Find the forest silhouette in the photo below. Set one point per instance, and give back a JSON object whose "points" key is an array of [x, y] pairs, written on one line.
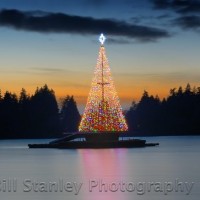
{"points": [[39, 116], [178, 114]]}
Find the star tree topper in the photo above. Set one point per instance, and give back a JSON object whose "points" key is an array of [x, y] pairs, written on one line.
{"points": [[102, 39]]}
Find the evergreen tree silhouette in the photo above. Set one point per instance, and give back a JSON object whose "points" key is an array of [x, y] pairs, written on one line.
{"points": [[9, 115], [24, 114], [70, 117], [44, 113]]}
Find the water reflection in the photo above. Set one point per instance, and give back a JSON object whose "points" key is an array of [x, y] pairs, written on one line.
{"points": [[102, 172]]}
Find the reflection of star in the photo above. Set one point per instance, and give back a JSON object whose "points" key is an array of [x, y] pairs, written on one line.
{"points": [[102, 38]]}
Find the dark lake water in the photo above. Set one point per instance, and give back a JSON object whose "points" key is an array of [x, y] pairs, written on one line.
{"points": [[170, 171]]}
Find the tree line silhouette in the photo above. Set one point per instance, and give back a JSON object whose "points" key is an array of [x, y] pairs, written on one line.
{"points": [[178, 114], [39, 116]]}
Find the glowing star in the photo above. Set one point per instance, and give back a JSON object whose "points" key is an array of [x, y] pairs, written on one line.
{"points": [[102, 39]]}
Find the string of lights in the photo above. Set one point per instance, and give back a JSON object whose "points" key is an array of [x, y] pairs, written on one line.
{"points": [[103, 111]]}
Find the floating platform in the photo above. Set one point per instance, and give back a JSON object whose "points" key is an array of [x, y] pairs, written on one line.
{"points": [[94, 141]]}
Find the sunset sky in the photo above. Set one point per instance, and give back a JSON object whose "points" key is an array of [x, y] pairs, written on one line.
{"points": [[151, 45]]}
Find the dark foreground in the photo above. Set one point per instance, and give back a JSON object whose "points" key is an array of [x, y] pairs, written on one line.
{"points": [[94, 141]]}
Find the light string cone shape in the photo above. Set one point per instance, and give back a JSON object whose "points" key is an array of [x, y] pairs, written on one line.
{"points": [[103, 111]]}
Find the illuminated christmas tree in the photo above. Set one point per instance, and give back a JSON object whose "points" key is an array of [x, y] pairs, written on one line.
{"points": [[103, 111]]}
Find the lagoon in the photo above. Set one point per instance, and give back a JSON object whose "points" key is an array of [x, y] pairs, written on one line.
{"points": [[169, 171]]}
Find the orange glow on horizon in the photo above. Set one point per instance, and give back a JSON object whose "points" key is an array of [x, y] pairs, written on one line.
{"points": [[125, 94], [129, 89]]}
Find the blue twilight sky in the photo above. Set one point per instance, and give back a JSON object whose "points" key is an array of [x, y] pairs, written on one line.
{"points": [[151, 45]]}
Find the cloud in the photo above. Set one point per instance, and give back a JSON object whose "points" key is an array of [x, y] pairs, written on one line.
{"points": [[64, 23], [177, 76], [95, 2], [118, 41], [164, 16], [180, 6], [161, 4], [188, 12], [48, 69], [191, 7], [188, 22]]}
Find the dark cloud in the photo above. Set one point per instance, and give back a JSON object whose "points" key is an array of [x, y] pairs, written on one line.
{"points": [[180, 6], [64, 23], [191, 6], [136, 20], [117, 41], [188, 22], [161, 4], [164, 16], [96, 2], [188, 10]]}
